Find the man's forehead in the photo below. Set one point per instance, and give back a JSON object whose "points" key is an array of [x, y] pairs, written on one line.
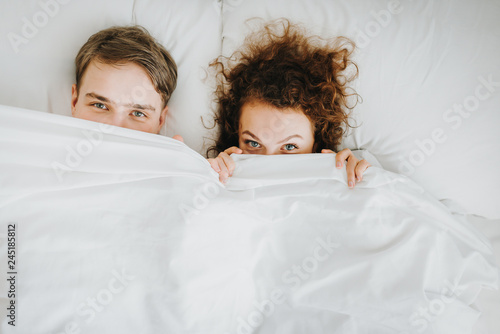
{"points": [[123, 84]]}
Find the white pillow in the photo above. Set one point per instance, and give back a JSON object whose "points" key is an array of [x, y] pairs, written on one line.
{"points": [[417, 60]]}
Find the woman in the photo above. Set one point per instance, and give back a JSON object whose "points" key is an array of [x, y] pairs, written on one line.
{"points": [[284, 92]]}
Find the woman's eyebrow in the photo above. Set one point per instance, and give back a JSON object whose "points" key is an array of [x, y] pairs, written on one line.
{"points": [[290, 137], [250, 134]]}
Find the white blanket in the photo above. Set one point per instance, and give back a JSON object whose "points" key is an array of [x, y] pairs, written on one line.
{"points": [[119, 231]]}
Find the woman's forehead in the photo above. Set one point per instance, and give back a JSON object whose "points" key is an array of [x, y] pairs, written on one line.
{"points": [[259, 117]]}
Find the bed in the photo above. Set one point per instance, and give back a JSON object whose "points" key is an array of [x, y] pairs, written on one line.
{"points": [[128, 232]]}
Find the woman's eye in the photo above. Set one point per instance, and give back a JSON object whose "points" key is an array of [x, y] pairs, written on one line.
{"points": [[289, 147], [253, 143], [99, 105], [139, 114]]}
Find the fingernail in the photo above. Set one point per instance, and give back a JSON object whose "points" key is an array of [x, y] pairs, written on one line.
{"points": [[339, 164], [351, 184]]}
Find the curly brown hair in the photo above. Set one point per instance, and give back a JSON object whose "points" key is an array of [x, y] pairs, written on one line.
{"points": [[282, 66]]}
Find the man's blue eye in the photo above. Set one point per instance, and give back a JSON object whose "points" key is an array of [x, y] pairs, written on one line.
{"points": [[289, 147], [139, 114], [99, 105]]}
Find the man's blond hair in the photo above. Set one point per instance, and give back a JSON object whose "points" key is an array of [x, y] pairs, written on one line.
{"points": [[119, 45]]}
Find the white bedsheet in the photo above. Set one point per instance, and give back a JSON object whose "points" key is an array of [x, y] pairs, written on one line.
{"points": [[119, 231], [488, 301]]}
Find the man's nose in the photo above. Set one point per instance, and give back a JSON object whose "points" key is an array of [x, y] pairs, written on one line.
{"points": [[117, 119]]}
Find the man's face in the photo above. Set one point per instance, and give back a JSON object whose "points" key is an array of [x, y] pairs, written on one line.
{"points": [[121, 95]]}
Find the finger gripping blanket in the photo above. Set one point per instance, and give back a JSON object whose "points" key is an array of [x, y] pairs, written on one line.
{"points": [[119, 231]]}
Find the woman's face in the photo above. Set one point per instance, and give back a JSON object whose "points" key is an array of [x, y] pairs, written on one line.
{"points": [[265, 129]]}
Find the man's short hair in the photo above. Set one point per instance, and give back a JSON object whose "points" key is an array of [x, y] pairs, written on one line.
{"points": [[118, 45]]}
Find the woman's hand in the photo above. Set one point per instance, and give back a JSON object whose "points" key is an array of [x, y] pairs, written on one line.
{"points": [[224, 164], [354, 167], [179, 138]]}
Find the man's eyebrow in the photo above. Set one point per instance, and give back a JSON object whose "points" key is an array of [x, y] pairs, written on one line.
{"points": [[251, 135], [290, 137], [98, 97], [129, 105], [140, 106]]}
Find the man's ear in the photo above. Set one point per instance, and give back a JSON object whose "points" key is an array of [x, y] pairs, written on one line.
{"points": [[163, 116], [74, 99]]}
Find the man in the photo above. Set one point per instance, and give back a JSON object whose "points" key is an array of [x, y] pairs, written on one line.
{"points": [[124, 78]]}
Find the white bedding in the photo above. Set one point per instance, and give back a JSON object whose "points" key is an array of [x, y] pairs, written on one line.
{"points": [[429, 73], [136, 235], [488, 301]]}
